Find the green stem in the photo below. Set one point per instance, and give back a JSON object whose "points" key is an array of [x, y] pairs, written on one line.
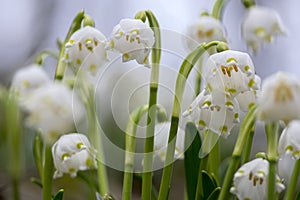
{"points": [[134, 119], [184, 72], [217, 9], [154, 79], [41, 57], [247, 151], [47, 173], [246, 125], [214, 161], [290, 193], [272, 131], [61, 65], [198, 77], [203, 166], [38, 152]]}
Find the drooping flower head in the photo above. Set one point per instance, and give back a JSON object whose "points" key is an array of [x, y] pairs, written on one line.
{"points": [[260, 26], [250, 181], [289, 142], [134, 39], [205, 29], [50, 110], [71, 153], [86, 46], [28, 79], [229, 72], [280, 98]]}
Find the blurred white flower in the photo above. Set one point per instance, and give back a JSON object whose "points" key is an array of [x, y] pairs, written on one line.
{"points": [[28, 79], [205, 29], [280, 97], [51, 109], [289, 141], [161, 141], [260, 26], [71, 153], [250, 181], [229, 72], [134, 39], [285, 168], [86, 49]]}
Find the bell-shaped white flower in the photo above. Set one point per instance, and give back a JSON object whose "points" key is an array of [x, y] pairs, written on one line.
{"points": [[161, 141], [260, 26], [28, 79], [71, 153], [86, 48], [205, 29], [280, 97], [250, 181], [134, 39], [289, 141], [230, 72], [50, 110]]}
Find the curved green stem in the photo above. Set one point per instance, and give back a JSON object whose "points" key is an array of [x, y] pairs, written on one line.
{"points": [[47, 173], [217, 9], [184, 72], [290, 193], [272, 131], [41, 57], [246, 125], [247, 151], [154, 79], [61, 65]]}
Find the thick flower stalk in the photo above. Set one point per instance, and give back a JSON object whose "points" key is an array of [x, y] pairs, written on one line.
{"points": [[250, 180], [86, 48], [72, 153], [260, 26], [134, 39], [280, 98]]}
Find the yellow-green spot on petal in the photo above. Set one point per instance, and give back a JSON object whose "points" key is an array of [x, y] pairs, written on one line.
{"points": [[223, 129], [250, 105], [72, 170], [67, 56], [79, 145], [25, 83], [89, 162], [260, 31], [241, 171], [289, 148], [231, 59], [268, 38], [135, 30], [53, 135], [93, 67], [145, 61], [125, 56], [202, 123], [231, 90], [251, 83], [296, 153], [261, 173], [112, 44], [229, 103], [71, 41], [65, 156], [88, 40], [246, 68], [236, 115], [78, 62], [206, 103], [209, 33], [209, 87], [121, 33]]}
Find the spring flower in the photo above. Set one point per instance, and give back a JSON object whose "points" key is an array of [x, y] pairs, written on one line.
{"points": [[289, 142], [286, 165], [86, 48], [134, 39], [229, 72], [260, 26], [161, 141], [217, 118], [205, 29], [71, 153], [280, 97], [28, 79], [50, 110], [250, 181]]}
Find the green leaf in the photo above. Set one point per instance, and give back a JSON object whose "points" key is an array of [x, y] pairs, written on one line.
{"points": [[298, 196], [59, 195], [191, 160], [209, 184], [36, 181], [215, 194]]}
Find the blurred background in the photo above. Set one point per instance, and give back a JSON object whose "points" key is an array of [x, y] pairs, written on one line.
{"points": [[30, 26]]}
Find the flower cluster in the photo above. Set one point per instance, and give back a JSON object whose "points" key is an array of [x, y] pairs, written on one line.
{"points": [[230, 81]]}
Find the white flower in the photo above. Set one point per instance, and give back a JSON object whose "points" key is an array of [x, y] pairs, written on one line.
{"points": [[161, 141], [280, 97], [71, 153], [86, 48], [260, 25], [219, 118], [28, 79], [229, 72], [134, 39], [289, 141], [286, 165], [250, 181], [205, 29], [50, 110]]}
